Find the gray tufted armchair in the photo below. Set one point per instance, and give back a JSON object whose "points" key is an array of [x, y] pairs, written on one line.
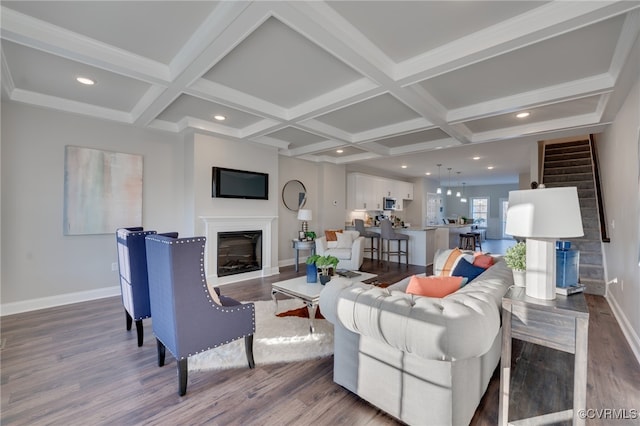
{"points": [[188, 316]]}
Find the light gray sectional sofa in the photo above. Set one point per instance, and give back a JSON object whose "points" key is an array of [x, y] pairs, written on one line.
{"points": [[425, 361]]}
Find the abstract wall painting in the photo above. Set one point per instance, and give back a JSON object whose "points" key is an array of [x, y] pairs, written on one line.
{"points": [[102, 191]]}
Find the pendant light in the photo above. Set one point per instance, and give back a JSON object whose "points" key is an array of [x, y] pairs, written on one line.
{"points": [[463, 199], [439, 190], [458, 191], [449, 187]]}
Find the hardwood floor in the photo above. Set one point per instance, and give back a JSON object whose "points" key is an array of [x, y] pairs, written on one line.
{"points": [[76, 364]]}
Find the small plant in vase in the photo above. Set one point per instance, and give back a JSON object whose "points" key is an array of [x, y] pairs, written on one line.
{"points": [[326, 265], [312, 269], [516, 259]]}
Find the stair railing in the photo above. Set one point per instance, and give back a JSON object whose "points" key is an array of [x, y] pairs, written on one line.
{"points": [[604, 235]]}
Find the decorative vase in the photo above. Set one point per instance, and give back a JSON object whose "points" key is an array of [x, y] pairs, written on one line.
{"points": [[312, 273], [325, 279], [519, 277]]}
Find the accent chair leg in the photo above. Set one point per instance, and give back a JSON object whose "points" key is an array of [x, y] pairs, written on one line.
{"points": [[182, 376], [129, 320], [139, 332], [161, 352], [248, 348]]}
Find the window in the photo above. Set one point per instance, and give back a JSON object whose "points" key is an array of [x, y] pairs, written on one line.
{"points": [[480, 210]]}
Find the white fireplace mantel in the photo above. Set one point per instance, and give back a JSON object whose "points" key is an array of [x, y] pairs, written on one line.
{"points": [[216, 224]]}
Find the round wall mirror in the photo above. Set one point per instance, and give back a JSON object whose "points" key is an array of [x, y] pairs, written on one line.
{"points": [[294, 195]]}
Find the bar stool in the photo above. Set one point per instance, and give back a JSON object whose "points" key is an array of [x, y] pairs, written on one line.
{"points": [[375, 236], [478, 241], [468, 241], [387, 233]]}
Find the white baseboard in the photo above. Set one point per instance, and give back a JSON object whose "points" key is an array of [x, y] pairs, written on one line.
{"points": [[59, 300], [627, 330]]}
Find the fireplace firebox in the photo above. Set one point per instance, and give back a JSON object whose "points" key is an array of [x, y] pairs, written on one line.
{"points": [[239, 252]]}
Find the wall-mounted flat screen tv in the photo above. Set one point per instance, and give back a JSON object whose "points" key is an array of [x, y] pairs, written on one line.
{"points": [[230, 183]]}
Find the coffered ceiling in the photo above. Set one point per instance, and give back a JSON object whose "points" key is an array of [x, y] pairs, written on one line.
{"points": [[390, 83]]}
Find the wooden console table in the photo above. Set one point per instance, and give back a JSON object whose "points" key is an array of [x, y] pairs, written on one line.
{"points": [[561, 324]]}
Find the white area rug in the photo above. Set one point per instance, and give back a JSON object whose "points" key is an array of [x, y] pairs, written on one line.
{"points": [[277, 339]]}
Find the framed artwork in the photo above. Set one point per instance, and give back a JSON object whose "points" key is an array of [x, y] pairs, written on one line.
{"points": [[102, 191]]}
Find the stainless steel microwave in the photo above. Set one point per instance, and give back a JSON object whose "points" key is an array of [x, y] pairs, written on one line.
{"points": [[388, 203]]}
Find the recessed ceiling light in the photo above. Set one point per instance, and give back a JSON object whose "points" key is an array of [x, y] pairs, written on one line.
{"points": [[85, 80], [428, 173], [490, 167], [219, 117], [339, 151], [523, 114], [476, 158], [404, 166]]}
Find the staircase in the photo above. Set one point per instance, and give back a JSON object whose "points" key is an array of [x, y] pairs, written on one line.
{"points": [[572, 164]]}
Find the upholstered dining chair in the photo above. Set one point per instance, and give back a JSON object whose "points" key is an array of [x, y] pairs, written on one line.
{"points": [[374, 236], [132, 265], [188, 316]]}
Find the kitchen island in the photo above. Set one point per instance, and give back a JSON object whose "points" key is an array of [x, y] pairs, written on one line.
{"points": [[421, 244], [448, 236]]}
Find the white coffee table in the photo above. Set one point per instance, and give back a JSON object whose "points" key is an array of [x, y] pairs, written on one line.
{"points": [[309, 293]]}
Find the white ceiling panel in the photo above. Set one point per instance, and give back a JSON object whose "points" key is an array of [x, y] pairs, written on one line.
{"points": [[576, 55], [295, 137], [43, 73], [544, 114], [189, 106], [156, 30], [390, 83], [278, 65], [373, 113], [404, 29], [413, 138]]}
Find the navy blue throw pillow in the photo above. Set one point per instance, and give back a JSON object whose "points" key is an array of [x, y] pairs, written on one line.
{"points": [[467, 270]]}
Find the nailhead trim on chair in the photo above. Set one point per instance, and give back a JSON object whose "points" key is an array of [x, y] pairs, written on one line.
{"points": [[206, 290]]}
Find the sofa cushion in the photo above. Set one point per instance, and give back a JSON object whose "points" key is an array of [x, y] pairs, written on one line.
{"points": [[331, 234], [434, 286], [345, 240], [340, 253], [467, 270]]}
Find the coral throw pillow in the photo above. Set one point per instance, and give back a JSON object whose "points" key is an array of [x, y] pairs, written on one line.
{"points": [[482, 260], [331, 234], [433, 286]]}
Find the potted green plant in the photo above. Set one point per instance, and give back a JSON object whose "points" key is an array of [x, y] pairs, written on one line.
{"points": [[312, 268], [516, 259], [327, 265]]}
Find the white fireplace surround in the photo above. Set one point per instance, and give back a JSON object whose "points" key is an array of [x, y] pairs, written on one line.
{"points": [[216, 224]]}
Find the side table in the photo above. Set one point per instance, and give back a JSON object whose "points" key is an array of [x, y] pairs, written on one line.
{"points": [[562, 324], [303, 245]]}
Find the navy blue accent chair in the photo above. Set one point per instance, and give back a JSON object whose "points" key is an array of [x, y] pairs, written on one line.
{"points": [[134, 286], [187, 317]]}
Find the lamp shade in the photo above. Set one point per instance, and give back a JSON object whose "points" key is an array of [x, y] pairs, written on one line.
{"points": [[304, 214], [544, 213]]}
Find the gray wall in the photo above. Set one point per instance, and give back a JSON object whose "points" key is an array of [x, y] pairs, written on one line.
{"points": [[454, 208], [38, 261]]}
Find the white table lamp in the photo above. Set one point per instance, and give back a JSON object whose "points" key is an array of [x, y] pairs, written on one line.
{"points": [[543, 216], [304, 215]]}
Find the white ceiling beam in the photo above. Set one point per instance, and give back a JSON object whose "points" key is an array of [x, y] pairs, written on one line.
{"points": [[68, 105]]}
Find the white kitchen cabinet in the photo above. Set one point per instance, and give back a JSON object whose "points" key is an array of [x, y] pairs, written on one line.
{"points": [[366, 192]]}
